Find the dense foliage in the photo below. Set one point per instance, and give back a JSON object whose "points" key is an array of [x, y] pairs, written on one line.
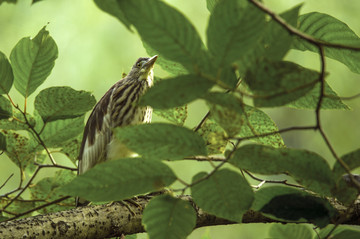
{"points": [[242, 60]]}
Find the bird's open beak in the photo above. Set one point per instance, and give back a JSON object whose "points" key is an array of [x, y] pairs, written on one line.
{"points": [[150, 63]]}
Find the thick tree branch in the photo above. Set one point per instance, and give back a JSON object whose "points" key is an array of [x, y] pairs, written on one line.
{"points": [[115, 219]]}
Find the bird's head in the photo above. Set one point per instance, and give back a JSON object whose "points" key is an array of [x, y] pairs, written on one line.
{"points": [[143, 69]]}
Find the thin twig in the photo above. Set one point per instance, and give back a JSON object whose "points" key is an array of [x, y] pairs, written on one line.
{"points": [[6, 180], [322, 85], [272, 181]]}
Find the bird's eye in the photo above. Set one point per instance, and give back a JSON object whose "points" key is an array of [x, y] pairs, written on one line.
{"points": [[140, 64]]}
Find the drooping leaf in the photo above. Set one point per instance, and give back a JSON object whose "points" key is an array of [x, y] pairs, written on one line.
{"points": [[329, 29], [111, 7], [5, 108], [307, 168], [47, 189], [293, 231], [121, 179], [225, 194], [310, 100], [172, 67], [175, 115], [18, 149], [56, 133], [276, 83], [166, 217], [277, 40], [167, 31], [173, 92], [32, 61], [234, 29], [257, 122], [62, 103], [351, 160], [226, 110], [161, 141], [293, 205], [214, 136], [6, 74]]}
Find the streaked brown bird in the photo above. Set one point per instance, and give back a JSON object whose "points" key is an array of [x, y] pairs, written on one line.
{"points": [[118, 107]]}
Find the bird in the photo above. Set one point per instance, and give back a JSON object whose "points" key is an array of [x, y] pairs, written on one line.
{"points": [[117, 108]]}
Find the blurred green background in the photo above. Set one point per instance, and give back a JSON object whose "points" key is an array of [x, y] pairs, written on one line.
{"points": [[95, 49]]}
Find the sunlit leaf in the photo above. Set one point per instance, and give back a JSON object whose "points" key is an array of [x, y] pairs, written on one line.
{"points": [[293, 231]]}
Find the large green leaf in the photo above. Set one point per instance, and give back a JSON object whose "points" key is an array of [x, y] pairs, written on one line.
{"points": [[277, 40], [174, 68], [5, 108], [71, 148], [293, 205], [167, 31], [6, 74], [307, 168], [276, 83], [173, 92], [63, 102], [225, 194], [351, 160], [210, 4], [310, 100], [175, 115], [293, 231], [257, 122], [166, 217], [56, 133], [329, 29], [235, 27], [121, 179], [340, 232], [48, 189], [32, 61], [111, 7], [161, 141], [17, 122]]}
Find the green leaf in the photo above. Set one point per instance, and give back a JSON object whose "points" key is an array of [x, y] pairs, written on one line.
{"points": [[172, 67], [293, 205], [32, 61], [5, 108], [225, 194], [17, 122], [214, 137], [234, 29], [2, 142], [62, 103], [71, 148], [161, 141], [111, 7], [175, 115], [6, 74], [307, 168], [168, 218], [226, 110], [279, 82], [257, 122], [351, 160], [121, 179], [56, 133], [236, 118], [310, 100], [340, 232], [18, 149], [18, 206], [167, 31], [293, 231], [48, 189], [176, 91], [329, 29], [277, 40], [210, 4]]}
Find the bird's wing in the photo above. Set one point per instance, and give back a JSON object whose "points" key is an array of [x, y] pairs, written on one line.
{"points": [[97, 134]]}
